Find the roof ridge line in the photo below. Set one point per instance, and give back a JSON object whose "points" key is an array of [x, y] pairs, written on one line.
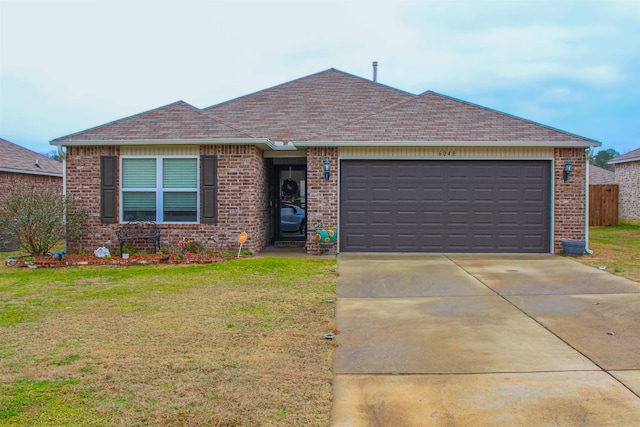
{"points": [[266, 89], [211, 116], [302, 78], [226, 124]]}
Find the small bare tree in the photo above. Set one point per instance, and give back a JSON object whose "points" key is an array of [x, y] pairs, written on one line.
{"points": [[39, 218]]}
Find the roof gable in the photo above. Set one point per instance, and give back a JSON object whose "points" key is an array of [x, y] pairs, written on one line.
{"points": [[14, 158], [171, 122], [307, 106], [432, 117]]}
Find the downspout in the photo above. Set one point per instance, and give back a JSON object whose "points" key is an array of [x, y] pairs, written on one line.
{"points": [[587, 158], [63, 156], [61, 153]]}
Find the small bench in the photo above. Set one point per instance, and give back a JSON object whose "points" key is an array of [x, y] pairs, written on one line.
{"points": [[139, 230]]}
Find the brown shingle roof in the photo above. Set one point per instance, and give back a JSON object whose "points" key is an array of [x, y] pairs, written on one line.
{"points": [[15, 158], [434, 117], [631, 156], [307, 106], [330, 106], [600, 176], [174, 121]]}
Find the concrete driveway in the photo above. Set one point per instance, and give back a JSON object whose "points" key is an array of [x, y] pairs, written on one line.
{"points": [[484, 340]]}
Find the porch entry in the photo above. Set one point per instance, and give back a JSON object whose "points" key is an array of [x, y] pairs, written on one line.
{"points": [[291, 202]]}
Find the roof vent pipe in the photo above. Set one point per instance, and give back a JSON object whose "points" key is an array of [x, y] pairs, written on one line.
{"points": [[375, 71]]}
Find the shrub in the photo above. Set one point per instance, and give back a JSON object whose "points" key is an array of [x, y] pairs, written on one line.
{"points": [[196, 247], [39, 219], [127, 248]]}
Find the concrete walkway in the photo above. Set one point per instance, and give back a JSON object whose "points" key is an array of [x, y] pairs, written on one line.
{"points": [[484, 340]]}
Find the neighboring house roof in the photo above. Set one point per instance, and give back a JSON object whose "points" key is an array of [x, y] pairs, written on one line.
{"points": [[631, 156], [431, 117], [17, 159], [329, 107], [599, 176], [176, 121]]}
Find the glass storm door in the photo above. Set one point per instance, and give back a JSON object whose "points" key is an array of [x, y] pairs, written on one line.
{"points": [[291, 212]]}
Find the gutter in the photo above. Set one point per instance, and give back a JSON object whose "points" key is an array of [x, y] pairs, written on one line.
{"points": [[263, 143], [512, 144], [630, 159], [25, 172]]}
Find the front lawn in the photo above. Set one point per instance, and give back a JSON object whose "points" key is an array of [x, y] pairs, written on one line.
{"points": [[234, 343], [617, 249]]}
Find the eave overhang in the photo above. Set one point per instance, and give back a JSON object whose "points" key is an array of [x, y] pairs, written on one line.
{"points": [[630, 159], [563, 144], [264, 144], [58, 175]]}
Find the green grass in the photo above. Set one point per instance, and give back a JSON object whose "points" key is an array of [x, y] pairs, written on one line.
{"points": [[234, 343], [615, 248], [44, 403]]}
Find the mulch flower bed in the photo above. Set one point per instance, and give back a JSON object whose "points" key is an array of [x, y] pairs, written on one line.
{"points": [[47, 261]]}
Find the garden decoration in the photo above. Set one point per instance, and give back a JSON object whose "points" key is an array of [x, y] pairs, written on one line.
{"points": [[102, 252], [242, 238], [326, 235], [185, 245]]}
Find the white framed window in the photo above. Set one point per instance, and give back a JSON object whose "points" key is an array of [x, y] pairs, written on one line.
{"points": [[160, 189]]}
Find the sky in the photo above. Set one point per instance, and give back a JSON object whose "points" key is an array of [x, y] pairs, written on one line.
{"points": [[66, 66]]}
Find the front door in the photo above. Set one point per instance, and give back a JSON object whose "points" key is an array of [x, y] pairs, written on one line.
{"points": [[291, 203]]}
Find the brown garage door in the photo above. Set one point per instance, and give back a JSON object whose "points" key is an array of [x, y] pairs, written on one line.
{"points": [[445, 206]]}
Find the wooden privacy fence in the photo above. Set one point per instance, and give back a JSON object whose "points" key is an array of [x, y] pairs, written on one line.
{"points": [[603, 204]]}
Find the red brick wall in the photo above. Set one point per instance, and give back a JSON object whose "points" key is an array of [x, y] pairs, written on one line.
{"points": [[242, 201], [45, 182], [322, 197], [242, 197], [569, 197], [83, 183]]}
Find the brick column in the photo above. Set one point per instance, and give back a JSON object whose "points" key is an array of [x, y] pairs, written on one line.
{"points": [[569, 197], [322, 197]]}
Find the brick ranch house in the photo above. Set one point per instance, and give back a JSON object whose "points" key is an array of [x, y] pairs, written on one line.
{"points": [[627, 175], [407, 173], [21, 166]]}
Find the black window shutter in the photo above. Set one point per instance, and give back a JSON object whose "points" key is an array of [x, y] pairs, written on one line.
{"points": [[209, 189], [108, 191]]}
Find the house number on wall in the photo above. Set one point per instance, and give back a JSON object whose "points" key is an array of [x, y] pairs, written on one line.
{"points": [[446, 153]]}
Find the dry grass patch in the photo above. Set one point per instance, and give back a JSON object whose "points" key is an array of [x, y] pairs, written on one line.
{"points": [[237, 343], [615, 248]]}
